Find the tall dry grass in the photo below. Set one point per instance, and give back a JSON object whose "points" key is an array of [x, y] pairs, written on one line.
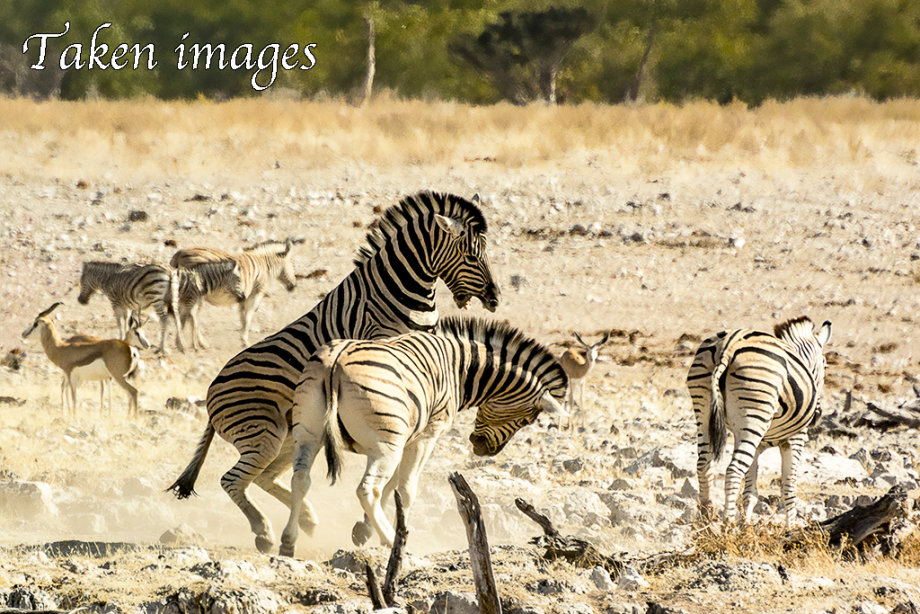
{"points": [[143, 137]]}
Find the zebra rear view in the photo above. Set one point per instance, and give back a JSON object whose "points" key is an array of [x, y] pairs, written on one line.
{"points": [[426, 237], [133, 288], [392, 399], [765, 389]]}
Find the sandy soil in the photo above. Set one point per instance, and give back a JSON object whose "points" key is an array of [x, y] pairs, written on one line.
{"points": [[587, 242]]}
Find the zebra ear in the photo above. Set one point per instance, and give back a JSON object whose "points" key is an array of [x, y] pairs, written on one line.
{"points": [[449, 225], [824, 333], [476, 200], [550, 405]]}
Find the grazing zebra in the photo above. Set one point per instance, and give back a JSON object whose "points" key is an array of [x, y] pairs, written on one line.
{"points": [[391, 399], [258, 265], [134, 288], [391, 291], [201, 281], [767, 390]]}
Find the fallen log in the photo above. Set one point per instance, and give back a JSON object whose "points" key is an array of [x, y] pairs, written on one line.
{"points": [[851, 529], [575, 550]]}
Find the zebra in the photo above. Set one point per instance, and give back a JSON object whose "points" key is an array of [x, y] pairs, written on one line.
{"points": [[258, 265], [201, 281], [767, 390], [424, 237], [134, 288], [391, 399]]}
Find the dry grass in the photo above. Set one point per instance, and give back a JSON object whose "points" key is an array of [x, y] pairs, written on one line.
{"points": [[143, 137]]}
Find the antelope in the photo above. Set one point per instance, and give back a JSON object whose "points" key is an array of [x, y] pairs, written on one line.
{"points": [[89, 355], [577, 363], [97, 371]]}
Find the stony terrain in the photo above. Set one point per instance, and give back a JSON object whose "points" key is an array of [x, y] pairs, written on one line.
{"points": [[661, 248]]}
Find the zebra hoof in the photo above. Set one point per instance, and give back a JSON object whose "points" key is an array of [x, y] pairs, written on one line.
{"points": [[286, 550], [264, 544], [360, 533]]}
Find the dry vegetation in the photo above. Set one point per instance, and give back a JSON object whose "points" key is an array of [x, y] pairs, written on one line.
{"points": [[662, 223]]}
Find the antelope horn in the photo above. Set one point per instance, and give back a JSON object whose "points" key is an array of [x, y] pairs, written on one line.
{"points": [[49, 310]]}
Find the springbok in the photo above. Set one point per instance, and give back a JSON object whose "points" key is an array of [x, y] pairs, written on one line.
{"points": [[97, 371], [577, 363], [117, 357]]}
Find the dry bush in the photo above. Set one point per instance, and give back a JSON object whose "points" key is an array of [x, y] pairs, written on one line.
{"points": [[250, 135], [768, 542]]}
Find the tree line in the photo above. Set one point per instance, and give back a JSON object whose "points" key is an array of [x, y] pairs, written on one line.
{"points": [[481, 51]]}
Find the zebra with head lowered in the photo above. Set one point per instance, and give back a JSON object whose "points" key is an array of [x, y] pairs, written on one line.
{"points": [[201, 281], [258, 265], [132, 288], [391, 291], [766, 389], [391, 399]]}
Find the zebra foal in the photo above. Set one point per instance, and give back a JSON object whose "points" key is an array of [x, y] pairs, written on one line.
{"points": [[134, 288], [201, 281], [765, 389], [426, 237], [390, 400], [257, 266]]}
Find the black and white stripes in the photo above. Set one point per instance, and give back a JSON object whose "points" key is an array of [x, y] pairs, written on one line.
{"points": [[766, 390], [132, 288], [391, 399], [391, 291]]}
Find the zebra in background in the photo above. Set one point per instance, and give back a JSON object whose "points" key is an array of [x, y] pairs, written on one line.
{"points": [[132, 288], [258, 265], [391, 291], [767, 390], [201, 281], [390, 400]]}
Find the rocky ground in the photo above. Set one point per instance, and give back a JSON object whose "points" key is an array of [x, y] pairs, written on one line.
{"points": [[660, 256]]}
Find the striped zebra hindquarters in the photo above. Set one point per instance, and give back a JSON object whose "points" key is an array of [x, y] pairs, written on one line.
{"points": [[766, 390], [348, 398], [699, 378]]}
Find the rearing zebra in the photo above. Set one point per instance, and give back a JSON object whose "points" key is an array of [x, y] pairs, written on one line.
{"points": [[767, 390], [258, 265], [391, 291], [198, 282], [134, 288], [390, 400]]}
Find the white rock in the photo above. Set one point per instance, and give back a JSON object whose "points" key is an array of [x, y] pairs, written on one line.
{"points": [[631, 580], [601, 579]]}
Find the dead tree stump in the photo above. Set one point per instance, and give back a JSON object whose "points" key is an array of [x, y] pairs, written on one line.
{"points": [[480, 559], [386, 597]]}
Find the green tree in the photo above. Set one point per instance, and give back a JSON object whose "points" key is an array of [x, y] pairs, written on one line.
{"points": [[522, 52]]}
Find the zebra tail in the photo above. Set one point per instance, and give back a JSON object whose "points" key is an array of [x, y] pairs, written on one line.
{"points": [[332, 434], [184, 486], [717, 434]]}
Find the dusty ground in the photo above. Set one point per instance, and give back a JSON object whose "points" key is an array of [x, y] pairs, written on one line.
{"points": [[679, 240]]}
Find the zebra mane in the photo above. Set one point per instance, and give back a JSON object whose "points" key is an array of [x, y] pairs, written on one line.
{"points": [[794, 329], [414, 207], [109, 266], [499, 334]]}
